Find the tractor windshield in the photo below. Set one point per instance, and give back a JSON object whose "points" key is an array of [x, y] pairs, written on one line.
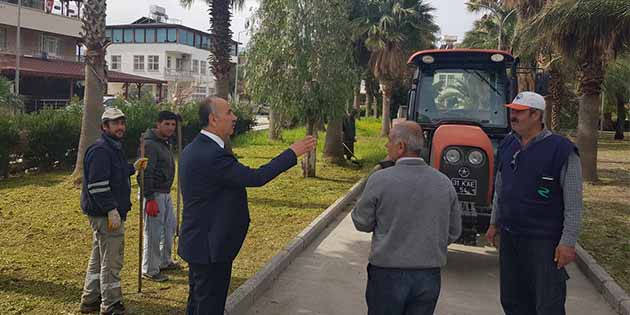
{"points": [[463, 94]]}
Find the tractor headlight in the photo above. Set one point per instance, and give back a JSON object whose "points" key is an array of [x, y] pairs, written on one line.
{"points": [[475, 157], [453, 156]]}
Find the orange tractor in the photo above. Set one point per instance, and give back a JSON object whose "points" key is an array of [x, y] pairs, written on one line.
{"points": [[458, 97]]}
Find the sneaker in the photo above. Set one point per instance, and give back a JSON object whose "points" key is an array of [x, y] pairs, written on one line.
{"points": [[116, 309], [171, 266], [157, 277], [90, 308]]}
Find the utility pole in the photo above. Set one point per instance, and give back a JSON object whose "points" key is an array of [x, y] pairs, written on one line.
{"points": [[18, 49]]}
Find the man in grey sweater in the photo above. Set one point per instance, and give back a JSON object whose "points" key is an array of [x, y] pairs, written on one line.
{"points": [[414, 214], [159, 215]]}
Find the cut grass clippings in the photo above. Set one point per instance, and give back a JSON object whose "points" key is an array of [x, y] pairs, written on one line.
{"points": [[45, 239]]}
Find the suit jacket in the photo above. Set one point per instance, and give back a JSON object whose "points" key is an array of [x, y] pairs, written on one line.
{"points": [[216, 214]]}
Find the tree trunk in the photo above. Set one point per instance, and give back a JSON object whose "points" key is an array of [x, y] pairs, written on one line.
{"points": [[386, 121], [221, 40], [367, 104], [95, 80], [588, 119], [556, 96], [375, 105], [275, 125], [333, 148], [591, 75], [222, 88], [310, 158], [356, 104], [621, 118]]}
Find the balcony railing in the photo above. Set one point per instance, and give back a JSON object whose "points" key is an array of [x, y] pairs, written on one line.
{"points": [[178, 74], [40, 5], [37, 54]]}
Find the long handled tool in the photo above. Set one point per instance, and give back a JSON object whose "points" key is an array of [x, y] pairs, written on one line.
{"points": [[179, 186], [140, 216]]}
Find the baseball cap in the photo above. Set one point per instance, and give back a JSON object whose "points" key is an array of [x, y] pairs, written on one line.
{"points": [[527, 100], [112, 113]]}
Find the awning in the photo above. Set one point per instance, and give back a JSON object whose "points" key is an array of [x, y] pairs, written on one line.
{"points": [[64, 69]]}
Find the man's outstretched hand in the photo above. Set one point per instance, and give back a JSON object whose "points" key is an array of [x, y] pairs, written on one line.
{"points": [[305, 145]]}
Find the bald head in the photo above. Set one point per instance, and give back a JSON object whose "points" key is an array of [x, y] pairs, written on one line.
{"points": [[409, 133], [216, 116], [210, 105]]}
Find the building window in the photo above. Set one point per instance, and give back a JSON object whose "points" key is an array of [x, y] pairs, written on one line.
{"points": [[203, 66], [204, 43], [118, 36], [179, 64], [191, 39], [108, 34], [3, 38], [139, 35], [198, 40], [195, 68], [183, 37], [172, 35], [116, 63], [168, 62], [138, 63], [161, 35], [51, 45], [128, 35], [199, 93], [150, 35], [154, 63]]}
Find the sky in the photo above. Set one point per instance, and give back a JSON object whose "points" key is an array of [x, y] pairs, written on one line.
{"points": [[451, 15]]}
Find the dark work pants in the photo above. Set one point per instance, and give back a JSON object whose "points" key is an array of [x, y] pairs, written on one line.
{"points": [[208, 288], [531, 283], [402, 291]]}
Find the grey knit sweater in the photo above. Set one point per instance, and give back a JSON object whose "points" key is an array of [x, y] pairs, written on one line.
{"points": [[412, 211]]}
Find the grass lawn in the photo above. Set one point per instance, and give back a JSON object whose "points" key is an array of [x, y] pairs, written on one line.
{"points": [[45, 239], [606, 223]]}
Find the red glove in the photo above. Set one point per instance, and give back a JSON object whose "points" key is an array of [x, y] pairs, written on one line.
{"points": [[152, 208]]}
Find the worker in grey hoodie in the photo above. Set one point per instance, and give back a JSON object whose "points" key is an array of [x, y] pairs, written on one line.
{"points": [[158, 215], [413, 213]]}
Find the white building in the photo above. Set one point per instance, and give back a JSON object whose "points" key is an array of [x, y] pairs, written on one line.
{"points": [[167, 51]]}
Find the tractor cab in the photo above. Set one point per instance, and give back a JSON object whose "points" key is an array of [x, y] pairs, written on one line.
{"points": [[458, 97]]}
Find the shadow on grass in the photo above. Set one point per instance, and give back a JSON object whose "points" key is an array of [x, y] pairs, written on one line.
{"points": [[298, 204], [35, 179], [613, 177], [65, 293]]}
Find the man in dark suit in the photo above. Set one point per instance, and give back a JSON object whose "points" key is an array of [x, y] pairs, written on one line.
{"points": [[216, 215]]}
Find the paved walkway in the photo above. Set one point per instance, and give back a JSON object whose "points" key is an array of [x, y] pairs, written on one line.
{"points": [[329, 278]]}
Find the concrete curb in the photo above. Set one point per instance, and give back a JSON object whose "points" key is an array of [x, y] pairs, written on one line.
{"points": [[604, 283], [244, 296]]}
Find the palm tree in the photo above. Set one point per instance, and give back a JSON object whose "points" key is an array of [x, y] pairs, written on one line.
{"points": [[394, 29], [592, 48], [220, 41], [498, 22], [94, 13], [617, 91]]}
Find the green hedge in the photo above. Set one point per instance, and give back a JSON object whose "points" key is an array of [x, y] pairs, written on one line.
{"points": [[9, 138], [50, 138]]}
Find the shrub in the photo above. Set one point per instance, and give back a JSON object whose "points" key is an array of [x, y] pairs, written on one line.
{"points": [[9, 138], [51, 136]]}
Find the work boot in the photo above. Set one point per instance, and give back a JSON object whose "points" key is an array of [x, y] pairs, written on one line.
{"points": [[156, 277], [90, 308], [117, 309]]}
